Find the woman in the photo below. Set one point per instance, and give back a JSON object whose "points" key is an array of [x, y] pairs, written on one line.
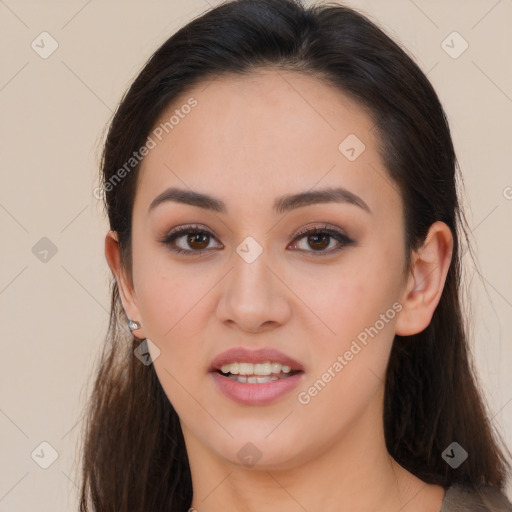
{"points": [[280, 183]]}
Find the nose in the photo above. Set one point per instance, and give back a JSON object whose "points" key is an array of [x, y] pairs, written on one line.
{"points": [[254, 297]]}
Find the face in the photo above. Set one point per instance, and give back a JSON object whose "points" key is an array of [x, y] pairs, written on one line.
{"points": [[249, 277]]}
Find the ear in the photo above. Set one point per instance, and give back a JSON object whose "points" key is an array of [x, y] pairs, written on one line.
{"points": [[126, 290], [425, 281]]}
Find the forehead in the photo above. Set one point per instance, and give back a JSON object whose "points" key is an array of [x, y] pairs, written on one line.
{"points": [[271, 131]]}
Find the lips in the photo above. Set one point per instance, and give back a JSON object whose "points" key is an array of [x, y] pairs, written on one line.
{"points": [[262, 355], [256, 394]]}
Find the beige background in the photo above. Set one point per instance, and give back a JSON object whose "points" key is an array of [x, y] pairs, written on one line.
{"points": [[54, 313]]}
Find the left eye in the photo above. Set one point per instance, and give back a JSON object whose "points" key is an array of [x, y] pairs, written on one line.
{"points": [[320, 238], [317, 238]]}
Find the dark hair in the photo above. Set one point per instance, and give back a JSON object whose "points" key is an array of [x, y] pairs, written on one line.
{"points": [[134, 456]]}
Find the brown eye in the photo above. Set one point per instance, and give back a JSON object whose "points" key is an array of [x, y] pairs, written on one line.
{"points": [[197, 240], [192, 240], [318, 239]]}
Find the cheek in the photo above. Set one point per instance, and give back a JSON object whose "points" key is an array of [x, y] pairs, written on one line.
{"points": [[174, 301], [351, 296], [165, 292], [171, 303], [359, 306], [348, 367]]}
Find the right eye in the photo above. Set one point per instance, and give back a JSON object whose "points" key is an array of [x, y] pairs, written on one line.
{"points": [[195, 237]]}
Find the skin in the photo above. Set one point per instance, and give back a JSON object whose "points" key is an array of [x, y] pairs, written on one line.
{"points": [[249, 140]]}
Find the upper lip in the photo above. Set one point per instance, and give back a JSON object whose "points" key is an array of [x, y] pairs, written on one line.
{"points": [[262, 355]]}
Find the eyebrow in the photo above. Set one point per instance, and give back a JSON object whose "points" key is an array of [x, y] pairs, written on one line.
{"points": [[282, 204]]}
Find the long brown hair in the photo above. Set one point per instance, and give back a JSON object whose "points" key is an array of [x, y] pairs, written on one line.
{"points": [[133, 455]]}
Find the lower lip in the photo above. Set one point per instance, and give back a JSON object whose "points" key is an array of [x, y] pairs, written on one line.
{"points": [[256, 394]]}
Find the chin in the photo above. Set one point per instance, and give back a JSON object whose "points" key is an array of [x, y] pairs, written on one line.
{"points": [[257, 450]]}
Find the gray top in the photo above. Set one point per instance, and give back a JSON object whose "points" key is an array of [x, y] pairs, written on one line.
{"points": [[462, 499]]}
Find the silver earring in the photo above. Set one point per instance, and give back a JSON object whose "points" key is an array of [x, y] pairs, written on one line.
{"points": [[133, 325]]}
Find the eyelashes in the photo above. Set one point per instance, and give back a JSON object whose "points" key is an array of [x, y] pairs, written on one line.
{"points": [[320, 234], [316, 237]]}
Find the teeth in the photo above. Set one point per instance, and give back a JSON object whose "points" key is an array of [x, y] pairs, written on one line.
{"points": [[252, 380], [275, 367], [245, 368], [262, 369], [267, 368]]}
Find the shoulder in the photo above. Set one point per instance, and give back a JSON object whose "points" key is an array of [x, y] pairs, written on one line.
{"points": [[459, 498]]}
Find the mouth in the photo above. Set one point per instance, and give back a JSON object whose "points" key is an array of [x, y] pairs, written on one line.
{"points": [[259, 373], [255, 377]]}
